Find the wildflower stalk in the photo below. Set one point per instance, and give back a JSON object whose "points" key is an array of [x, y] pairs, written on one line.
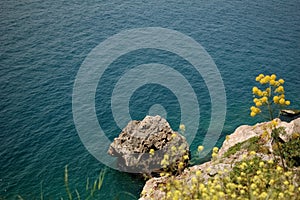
{"points": [[274, 93], [270, 110], [67, 183]]}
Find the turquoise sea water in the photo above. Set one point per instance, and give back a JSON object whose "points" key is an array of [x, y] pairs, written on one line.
{"points": [[43, 44]]}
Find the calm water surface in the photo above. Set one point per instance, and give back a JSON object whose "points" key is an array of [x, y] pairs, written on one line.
{"points": [[43, 44]]}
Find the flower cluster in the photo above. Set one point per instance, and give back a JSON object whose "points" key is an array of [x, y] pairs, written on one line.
{"points": [[215, 153], [271, 96], [172, 163], [251, 178]]}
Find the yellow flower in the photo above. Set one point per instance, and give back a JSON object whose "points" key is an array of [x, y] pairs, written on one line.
{"points": [[253, 111], [198, 173], [267, 78], [174, 135], [257, 104], [281, 81], [166, 157], [180, 165], [273, 77], [263, 195], [255, 100], [276, 99], [164, 163], [257, 110], [259, 77], [252, 153], [173, 148], [274, 122], [264, 99], [215, 149], [243, 165], [287, 103], [280, 89], [253, 186], [262, 81], [151, 151], [282, 101], [194, 180], [182, 127], [279, 169], [285, 182], [185, 157], [258, 172], [271, 182], [265, 135], [255, 90], [200, 148], [265, 93], [233, 196], [261, 164], [214, 155], [227, 137], [289, 173], [291, 188], [281, 195], [272, 82], [201, 186], [221, 194], [271, 161], [259, 93]]}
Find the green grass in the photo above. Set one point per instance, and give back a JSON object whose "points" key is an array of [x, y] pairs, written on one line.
{"points": [[251, 144]]}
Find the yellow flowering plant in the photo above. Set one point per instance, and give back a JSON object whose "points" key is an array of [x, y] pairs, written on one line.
{"points": [[251, 178], [272, 95]]}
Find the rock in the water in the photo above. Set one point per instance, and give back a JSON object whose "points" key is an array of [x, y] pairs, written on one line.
{"points": [[289, 115], [142, 145]]}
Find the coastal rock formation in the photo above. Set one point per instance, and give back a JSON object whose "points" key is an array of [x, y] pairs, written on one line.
{"points": [[289, 115], [209, 169], [142, 145], [224, 161], [246, 132]]}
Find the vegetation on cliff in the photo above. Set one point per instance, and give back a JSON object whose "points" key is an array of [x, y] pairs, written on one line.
{"points": [[262, 164]]}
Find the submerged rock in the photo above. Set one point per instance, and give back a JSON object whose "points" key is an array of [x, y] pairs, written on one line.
{"points": [[143, 145]]}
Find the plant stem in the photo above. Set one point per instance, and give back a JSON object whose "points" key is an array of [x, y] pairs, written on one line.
{"points": [[67, 183], [270, 111]]}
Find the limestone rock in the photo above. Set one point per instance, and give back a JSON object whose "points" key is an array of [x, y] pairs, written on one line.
{"points": [[132, 147], [225, 164], [246, 132]]}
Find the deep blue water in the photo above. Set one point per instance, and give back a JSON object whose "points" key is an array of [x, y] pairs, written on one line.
{"points": [[44, 43]]}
